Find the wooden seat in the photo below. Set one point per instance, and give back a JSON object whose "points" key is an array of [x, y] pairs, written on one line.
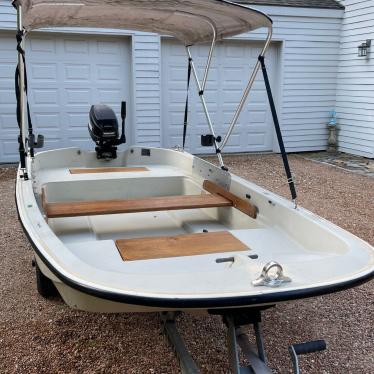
{"points": [[107, 170], [218, 197], [149, 204], [243, 205], [179, 245]]}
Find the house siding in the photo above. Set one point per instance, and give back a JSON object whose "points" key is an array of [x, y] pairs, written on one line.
{"points": [[7, 15], [355, 85], [308, 62], [147, 84], [309, 42]]}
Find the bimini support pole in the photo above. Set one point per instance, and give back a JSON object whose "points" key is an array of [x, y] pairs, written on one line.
{"points": [[201, 87], [21, 94], [287, 168], [246, 91]]}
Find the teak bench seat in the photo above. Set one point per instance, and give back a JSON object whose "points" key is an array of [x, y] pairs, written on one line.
{"points": [[179, 245], [148, 204], [218, 197], [107, 170]]}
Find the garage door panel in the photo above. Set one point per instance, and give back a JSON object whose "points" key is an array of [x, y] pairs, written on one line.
{"points": [[52, 140], [258, 117], [233, 77], [77, 72], [42, 72], [75, 119], [47, 121], [8, 144], [106, 47], [75, 47], [177, 74], [77, 97], [6, 96], [43, 46], [6, 71], [7, 118], [108, 72], [67, 74], [258, 96], [44, 96]]}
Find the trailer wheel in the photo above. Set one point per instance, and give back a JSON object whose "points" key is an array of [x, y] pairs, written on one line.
{"points": [[44, 285]]}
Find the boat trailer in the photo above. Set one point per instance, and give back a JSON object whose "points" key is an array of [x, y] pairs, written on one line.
{"points": [[235, 320]]}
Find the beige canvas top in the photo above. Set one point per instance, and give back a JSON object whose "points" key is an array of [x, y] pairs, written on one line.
{"points": [[190, 21]]}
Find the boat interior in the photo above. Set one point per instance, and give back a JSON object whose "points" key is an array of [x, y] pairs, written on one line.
{"points": [[125, 203]]}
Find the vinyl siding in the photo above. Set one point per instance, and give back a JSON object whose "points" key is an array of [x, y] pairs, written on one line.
{"points": [[355, 85], [7, 15], [305, 92], [307, 73], [146, 73]]}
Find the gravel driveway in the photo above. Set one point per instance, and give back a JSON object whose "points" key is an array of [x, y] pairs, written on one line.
{"points": [[39, 336]]}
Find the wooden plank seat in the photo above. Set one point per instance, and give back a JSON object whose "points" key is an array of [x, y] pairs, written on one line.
{"points": [[107, 170], [243, 205], [179, 245], [218, 197], [148, 204]]}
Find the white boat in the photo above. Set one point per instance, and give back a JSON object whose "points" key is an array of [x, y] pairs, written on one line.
{"points": [[150, 229]]}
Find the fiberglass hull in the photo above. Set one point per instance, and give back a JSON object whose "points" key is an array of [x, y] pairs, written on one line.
{"points": [[80, 253]]}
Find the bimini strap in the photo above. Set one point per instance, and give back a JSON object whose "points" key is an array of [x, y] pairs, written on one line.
{"points": [[19, 37], [185, 121], [21, 146], [278, 130]]}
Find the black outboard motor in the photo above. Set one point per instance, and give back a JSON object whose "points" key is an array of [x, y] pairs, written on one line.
{"points": [[103, 128]]}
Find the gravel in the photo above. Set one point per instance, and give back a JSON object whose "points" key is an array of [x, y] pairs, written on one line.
{"points": [[39, 336]]}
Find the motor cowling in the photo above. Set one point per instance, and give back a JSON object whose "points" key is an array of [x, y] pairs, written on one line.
{"points": [[103, 129]]}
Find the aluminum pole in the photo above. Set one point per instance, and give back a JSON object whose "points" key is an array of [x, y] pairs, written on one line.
{"points": [[207, 66], [202, 99], [246, 91]]}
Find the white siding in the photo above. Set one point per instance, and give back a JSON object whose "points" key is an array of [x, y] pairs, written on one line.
{"points": [[308, 74], [355, 88], [146, 72], [7, 15], [309, 44]]}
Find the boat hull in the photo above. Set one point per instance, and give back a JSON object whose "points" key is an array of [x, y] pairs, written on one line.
{"points": [[57, 255]]}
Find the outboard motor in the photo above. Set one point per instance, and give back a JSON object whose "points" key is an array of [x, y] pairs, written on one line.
{"points": [[103, 128]]}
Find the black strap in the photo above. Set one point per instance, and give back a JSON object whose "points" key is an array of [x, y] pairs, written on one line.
{"points": [[19, 37], [185, 121], [278, 130], [21, 147]]}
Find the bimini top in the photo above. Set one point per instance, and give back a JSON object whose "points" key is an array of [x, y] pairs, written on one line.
{"points": [[190, 21]]}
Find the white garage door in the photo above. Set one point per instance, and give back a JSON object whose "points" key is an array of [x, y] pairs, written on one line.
{"points": [[66, 74], [229, 73]]}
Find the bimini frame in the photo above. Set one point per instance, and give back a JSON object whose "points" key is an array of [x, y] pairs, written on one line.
{"points": [[218, 145], [27, 144]]}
